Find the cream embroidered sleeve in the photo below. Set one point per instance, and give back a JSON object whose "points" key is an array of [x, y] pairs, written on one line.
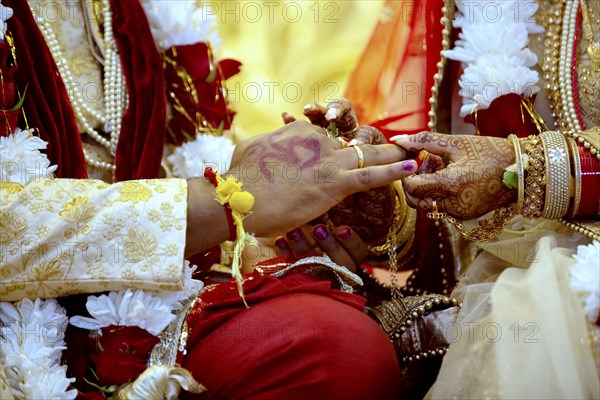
{"points": [[61, 236]]}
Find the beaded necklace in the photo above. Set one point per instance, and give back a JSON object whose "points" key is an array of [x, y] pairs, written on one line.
{"points": [[115, 94]]}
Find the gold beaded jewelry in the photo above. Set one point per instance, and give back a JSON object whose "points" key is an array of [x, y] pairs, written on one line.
{"points": [[577, 173], [536, 179], [558, 174], [520, 172]]}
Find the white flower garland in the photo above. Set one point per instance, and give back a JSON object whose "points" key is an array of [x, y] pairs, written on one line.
{"points": [[182, 22], [32, 341], [190, 159], [32, 333], [21, 159], [149, 310], [493, 49], [585, 278]]}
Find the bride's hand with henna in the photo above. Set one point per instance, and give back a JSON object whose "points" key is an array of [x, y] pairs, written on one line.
{"points": [[471, 184]]}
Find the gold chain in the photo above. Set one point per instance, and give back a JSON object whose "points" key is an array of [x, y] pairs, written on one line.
{"points": [[486, 230]]}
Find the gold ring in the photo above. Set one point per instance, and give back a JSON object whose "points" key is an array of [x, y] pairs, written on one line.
{"points": [[361, 156], [342, 141]]}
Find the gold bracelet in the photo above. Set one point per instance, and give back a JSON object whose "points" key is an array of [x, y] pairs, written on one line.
{"points": [[520, 172], [535, 181], [558, 173], [577, 172]]}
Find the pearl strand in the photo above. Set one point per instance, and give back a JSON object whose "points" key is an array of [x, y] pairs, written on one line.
{"points": [[565, 73], [115, 100]]}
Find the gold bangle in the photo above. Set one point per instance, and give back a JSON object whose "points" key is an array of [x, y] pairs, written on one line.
{"points": [[535, 181], [520, 172], [577, 172], [558, 173]]}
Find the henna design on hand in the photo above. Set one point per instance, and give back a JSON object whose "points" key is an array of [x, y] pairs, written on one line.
{"points": [[471, 185]]}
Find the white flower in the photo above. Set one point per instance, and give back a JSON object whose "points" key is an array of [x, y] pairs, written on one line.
{"points": [[585, 277], [32, 340], [126, 308], [21, 159], [47, 384], [182, 22], [493, 49], [149, 310], [191, 288], [191, 158]]}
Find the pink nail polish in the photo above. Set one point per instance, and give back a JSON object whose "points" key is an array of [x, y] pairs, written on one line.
{"points": [[295, 235], [345, 234], [281, 243], [410, 166], [320, 232]]}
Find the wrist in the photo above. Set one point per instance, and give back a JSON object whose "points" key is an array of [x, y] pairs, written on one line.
{"points": [[204, 212]]}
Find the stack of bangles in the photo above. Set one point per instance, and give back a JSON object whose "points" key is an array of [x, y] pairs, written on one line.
{"points": [[556, 175], [561, 177]]}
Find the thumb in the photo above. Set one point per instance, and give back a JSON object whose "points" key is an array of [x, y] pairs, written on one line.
{"points": [[436, 143]]}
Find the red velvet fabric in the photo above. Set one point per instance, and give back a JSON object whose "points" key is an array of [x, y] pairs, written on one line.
{"points": [[299, 339], [506, 114], [143, 129], [47, 104]]}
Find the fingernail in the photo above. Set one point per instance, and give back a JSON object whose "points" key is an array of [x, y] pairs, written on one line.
{"points": [[320, 232], [400, 138], [353, 142], [409, 166], [294, 235], [345, 234], [332, 113], [281, 243]]}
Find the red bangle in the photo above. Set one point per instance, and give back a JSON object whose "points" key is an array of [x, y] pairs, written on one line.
{"points": [[211, 175], [590, 184]]}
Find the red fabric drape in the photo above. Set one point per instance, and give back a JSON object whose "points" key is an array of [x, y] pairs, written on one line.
{"points": [[47, 106], [143, 129], [300, 339]]}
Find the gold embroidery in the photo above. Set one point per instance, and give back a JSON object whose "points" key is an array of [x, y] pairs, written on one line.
{"points": [[44, 254], [12, 227], [11, 187], [47, 270], [134, 192], [139, 244], [78, 210]]}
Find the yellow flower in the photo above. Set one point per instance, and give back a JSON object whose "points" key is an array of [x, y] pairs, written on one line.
{"points": [[12, 227], [77, 210], [227, 188], [134, 192], [241, 202]]}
